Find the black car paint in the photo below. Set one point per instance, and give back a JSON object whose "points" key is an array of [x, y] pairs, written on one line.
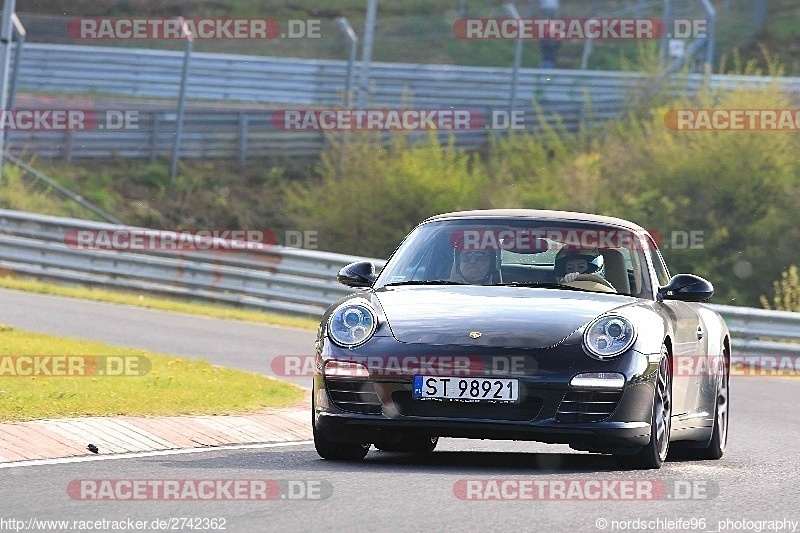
{"points": [[420, 323]]}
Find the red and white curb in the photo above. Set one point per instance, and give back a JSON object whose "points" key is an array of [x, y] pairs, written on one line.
{"points": [[71, 437]]}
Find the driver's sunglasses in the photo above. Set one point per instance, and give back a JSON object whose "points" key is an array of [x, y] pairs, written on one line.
{"points": [[476, 256]]}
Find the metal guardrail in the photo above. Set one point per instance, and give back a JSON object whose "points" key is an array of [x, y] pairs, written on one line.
{"points": [[274, 279], [144, 73], [762, 333], [277, 279], [243, 135], [576, 96]]}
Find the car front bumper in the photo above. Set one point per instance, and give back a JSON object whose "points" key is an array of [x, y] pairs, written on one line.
{"points": [[549, 409]]}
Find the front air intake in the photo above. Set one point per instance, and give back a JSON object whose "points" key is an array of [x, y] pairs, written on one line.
{"points": [[354, 395], [587, 406]]}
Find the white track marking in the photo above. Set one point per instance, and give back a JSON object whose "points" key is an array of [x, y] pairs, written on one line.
{"points": [[139, 455]]}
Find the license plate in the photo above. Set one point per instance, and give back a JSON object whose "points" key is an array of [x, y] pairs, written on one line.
{"points": [[466, 389]]}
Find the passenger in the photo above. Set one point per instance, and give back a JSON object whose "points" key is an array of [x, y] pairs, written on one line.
{"points": [[572, 262]]}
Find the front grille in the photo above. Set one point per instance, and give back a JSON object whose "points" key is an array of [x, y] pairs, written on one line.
{"points": [[355, 396], [587, 406], [527, 409]]}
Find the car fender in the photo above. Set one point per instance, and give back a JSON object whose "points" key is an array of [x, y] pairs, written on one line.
{"points": [[651, 327]]}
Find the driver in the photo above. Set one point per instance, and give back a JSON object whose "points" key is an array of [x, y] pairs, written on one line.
{"points": [[475, 267], [572, 262]]}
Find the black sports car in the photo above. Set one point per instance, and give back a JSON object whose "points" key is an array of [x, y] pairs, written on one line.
{"points": [[548, 326]]}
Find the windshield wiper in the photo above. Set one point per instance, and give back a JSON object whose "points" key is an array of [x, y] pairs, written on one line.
{"points": [[424, 282], [544, 284]]}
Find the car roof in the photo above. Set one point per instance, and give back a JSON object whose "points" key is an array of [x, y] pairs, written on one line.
{"points": [[539, 214]]}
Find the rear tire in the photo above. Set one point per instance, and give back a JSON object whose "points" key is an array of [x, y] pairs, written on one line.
{"points": [[654, 454], [409, 444]]}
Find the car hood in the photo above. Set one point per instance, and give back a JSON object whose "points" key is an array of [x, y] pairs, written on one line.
{"points": [[514, 317]]}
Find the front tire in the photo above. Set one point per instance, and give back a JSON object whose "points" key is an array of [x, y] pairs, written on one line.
{"points": [[654, 454], [719, 435], [337, 451]]}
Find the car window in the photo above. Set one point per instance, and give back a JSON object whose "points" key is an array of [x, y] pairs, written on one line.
{"points": [[518, 251], [546, 257], [662, 274]]}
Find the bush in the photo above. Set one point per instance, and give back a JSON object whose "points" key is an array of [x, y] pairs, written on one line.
{"points": [[735, 189], [787, 292], [367, 197]]}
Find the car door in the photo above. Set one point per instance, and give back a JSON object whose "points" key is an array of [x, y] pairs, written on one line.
{"points": [[688, 345]]}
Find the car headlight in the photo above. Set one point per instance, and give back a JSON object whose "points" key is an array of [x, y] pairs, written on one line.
{"points": [[608, 336], [352, 323]]}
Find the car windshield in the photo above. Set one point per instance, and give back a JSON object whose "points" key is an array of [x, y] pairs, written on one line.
{"points": [[521, 252]]}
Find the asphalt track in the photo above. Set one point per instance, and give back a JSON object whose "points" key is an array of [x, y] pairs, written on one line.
{"points": [[755, 487], [244, 345]]}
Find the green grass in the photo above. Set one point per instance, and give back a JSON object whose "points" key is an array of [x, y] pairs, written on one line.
{"points": [[173, 386], [152, 302]]}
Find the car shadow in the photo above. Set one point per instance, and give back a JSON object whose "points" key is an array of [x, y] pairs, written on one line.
{"points": [[465, 462]]}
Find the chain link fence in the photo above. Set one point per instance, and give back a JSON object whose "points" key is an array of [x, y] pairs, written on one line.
{"points": [[424, 33]]}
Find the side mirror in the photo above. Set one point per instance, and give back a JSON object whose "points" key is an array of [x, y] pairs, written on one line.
{"points": [[357, 274], [687, 288]]}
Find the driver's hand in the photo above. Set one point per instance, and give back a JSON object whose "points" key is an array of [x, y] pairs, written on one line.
{"points": [[572, 276]]}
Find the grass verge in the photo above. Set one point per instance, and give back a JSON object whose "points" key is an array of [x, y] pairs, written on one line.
{"points": [[170, 386], [163, 304]]}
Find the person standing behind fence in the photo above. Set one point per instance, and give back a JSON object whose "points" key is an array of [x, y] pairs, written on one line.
{"points": [[548, 48], [549, 8]]}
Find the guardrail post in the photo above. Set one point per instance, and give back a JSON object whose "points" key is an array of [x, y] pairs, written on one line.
{"points": [[761, 13], [711, 27], [588, 45], [667, 19], [582, 114], [244, 122], [20, 32], [366, 53], [512, 99], [69, 138], [154, 137], [5, 60], [352, 38], [181, 101]]}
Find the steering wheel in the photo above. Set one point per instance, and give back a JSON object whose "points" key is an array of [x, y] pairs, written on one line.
{"points": [[596, 279]]}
